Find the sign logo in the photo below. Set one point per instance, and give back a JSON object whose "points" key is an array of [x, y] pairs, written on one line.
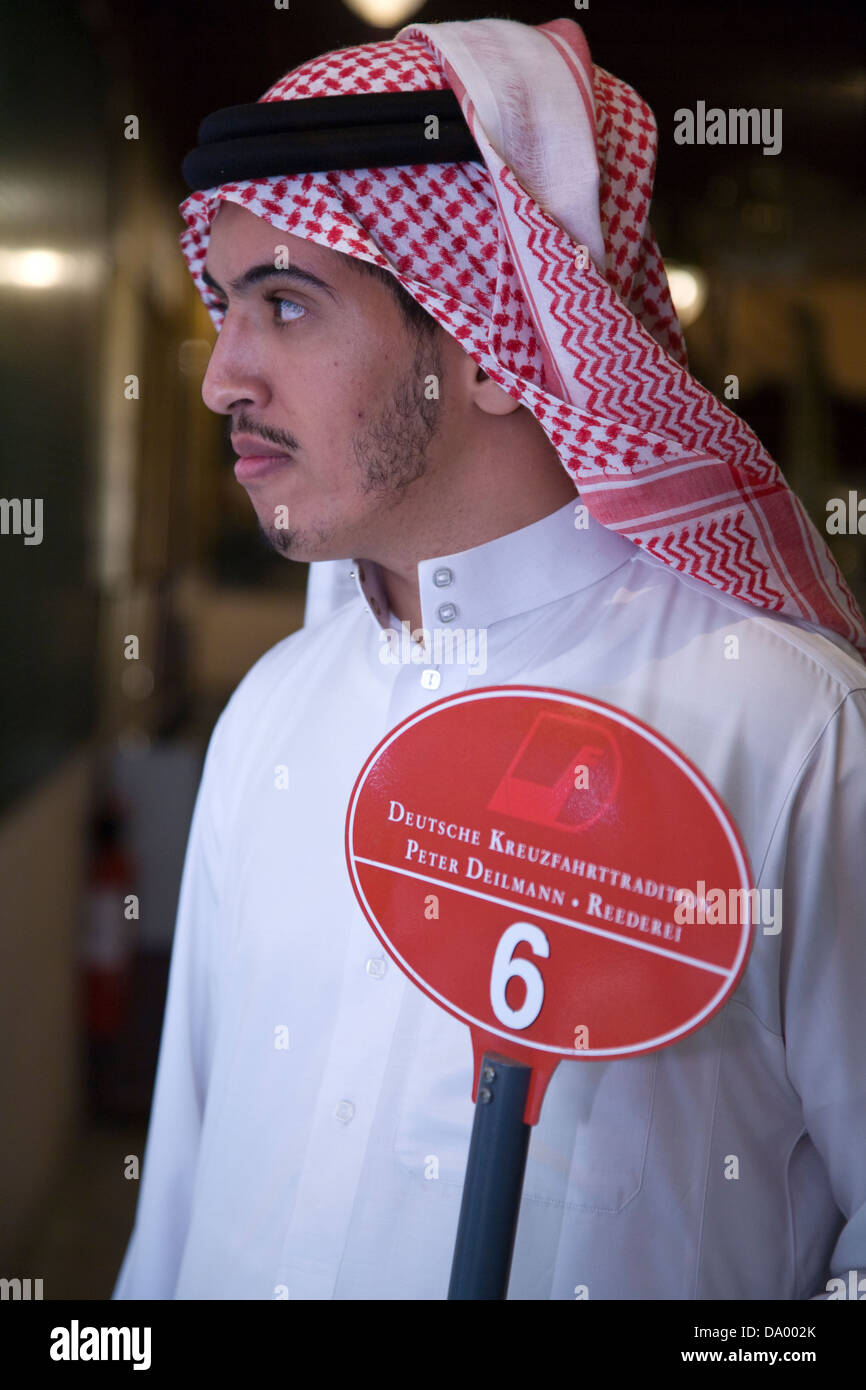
{"points": [[557, 780]]}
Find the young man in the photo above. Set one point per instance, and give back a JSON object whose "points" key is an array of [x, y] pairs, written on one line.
{"points": [[312, 1108]]}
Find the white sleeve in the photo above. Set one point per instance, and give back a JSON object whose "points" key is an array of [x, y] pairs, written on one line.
{"points": [[153, 1256], [824, 969]]}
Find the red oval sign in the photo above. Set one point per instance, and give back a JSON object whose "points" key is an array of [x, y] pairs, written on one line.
{"points": [[542, 864]]}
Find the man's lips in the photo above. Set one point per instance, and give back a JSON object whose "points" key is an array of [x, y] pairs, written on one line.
{"points": [[257, 459], [259, 465]]}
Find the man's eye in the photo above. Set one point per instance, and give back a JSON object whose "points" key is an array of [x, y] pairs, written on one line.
{"points": [[278, 301], [282, 318]]}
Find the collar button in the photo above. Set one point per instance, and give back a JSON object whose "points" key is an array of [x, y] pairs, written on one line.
{"points": [[447, 612], [442, 578]]}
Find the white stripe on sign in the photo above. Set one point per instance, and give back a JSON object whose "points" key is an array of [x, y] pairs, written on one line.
{"points": [[551, 917]]}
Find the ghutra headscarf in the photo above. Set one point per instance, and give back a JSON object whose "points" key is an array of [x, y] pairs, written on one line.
{"points": [[525, 234]]}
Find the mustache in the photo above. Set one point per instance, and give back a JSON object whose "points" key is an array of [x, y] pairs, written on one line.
{"points": [[280, 438]]}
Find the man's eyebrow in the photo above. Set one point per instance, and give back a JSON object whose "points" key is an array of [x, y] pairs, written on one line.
{"points": [[268, 271]]}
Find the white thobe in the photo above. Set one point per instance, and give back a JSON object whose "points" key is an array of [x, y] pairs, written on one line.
{"points": [[305, 1085]]}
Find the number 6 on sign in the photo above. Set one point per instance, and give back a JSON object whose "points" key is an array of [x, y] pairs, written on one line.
{"points": [[505, 967]]}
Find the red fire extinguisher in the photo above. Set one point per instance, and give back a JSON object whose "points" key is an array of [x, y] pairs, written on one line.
{"points": [[110, 927]]}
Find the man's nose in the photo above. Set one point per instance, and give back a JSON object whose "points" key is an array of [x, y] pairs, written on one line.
{"points": [[233, 376]]}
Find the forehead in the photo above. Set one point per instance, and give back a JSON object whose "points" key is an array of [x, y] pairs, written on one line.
{"points": [[236, 234]]}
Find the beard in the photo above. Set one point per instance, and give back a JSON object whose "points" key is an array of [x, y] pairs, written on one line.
{"points": [[392, 451]]}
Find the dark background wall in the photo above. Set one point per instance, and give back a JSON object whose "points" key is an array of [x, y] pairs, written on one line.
{"points": [[55, 161]]}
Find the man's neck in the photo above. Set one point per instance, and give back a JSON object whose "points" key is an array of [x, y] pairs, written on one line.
{"points": [[554, 489]]}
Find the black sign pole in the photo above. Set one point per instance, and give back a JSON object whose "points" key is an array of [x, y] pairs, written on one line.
{"points": [[493, 1182]]}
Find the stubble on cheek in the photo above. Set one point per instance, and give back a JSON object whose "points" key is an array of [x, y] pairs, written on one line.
{"points": [[391, 451]]}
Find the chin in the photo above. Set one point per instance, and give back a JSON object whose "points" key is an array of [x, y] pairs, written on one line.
{"points": [[305, 547]]}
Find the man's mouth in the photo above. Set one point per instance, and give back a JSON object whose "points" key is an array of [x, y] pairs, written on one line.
{"points": [[257, 459], [251, 466]]}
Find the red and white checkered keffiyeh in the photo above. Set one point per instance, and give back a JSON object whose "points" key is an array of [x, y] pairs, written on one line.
{"points": [[545, 269]]}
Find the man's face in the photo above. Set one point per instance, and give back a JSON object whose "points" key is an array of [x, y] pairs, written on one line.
{"points": [[329, 375]]}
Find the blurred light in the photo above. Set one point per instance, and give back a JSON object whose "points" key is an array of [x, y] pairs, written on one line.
{"points": [[852, 86], [136, 681], [688, 287], [41, 268], [133, 742], [383, 14], [722, 190], [33, 269], [763, 218], [193, 356]]}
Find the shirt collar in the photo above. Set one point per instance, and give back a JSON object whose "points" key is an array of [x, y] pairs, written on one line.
{"points": [[562, 553]]}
